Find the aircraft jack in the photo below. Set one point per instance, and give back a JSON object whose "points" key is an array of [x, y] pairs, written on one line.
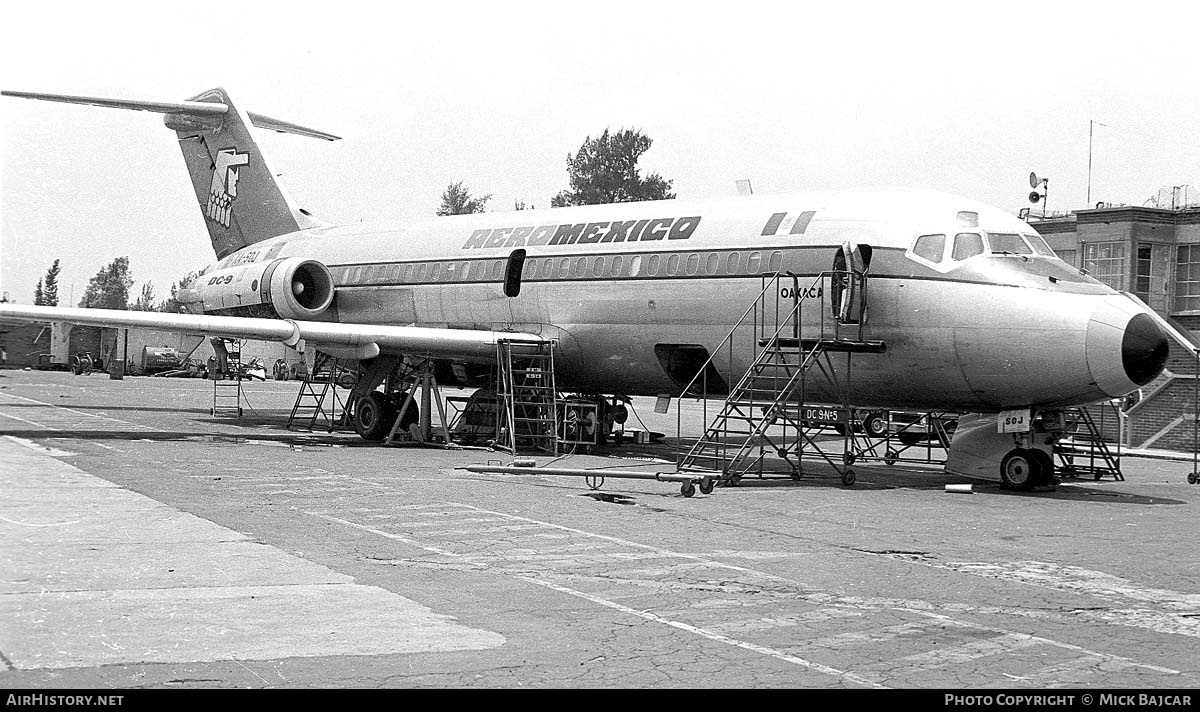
{"points": [[420, 432], [761, 416]]}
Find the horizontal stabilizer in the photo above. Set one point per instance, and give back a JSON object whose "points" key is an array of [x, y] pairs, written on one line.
{"points": [[197, 109]]}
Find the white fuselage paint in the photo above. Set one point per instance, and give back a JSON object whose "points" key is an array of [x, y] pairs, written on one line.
{"points": [[985, 333]]}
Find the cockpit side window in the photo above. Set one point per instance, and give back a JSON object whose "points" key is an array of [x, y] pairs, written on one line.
{"points": [[1039, 246], [1007, 242], [930, 247], [967, 244]]}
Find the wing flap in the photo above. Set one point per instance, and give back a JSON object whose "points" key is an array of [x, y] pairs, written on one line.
{"points": [[411, 340]]}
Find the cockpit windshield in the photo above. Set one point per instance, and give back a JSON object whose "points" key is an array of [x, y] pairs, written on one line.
{"points": [[1039, 246], [939, 249], [1008, 243], [967, 244]]}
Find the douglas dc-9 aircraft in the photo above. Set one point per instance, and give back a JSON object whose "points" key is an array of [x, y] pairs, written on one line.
{"points": [[977, 313]]}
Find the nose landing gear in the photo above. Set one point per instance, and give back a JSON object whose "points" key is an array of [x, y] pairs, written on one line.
{"points": [[1026, 469]]}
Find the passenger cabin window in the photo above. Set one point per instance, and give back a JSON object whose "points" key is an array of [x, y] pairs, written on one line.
{"points": [[967, 245], [1008, 243], [930, 247]]}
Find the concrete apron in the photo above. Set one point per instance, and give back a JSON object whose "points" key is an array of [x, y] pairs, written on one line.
{"points": [[93, 574]]}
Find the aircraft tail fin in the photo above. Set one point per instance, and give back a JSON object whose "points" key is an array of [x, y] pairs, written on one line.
{"points": [[238, 194]]}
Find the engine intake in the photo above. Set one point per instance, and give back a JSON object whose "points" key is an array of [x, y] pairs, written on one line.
{"points": [[298, 288], [289, 288]]}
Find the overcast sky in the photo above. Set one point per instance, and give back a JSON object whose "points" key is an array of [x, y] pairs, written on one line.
{"points": [[793, 96]]}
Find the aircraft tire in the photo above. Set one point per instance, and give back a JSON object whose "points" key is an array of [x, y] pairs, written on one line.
{"points": [[412, 415], [874, 425], [1020, 469], [849, 478], [1045, 461], [374, 416], [1193, 478]]}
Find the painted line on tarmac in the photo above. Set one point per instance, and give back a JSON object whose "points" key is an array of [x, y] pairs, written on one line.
{"points": [[103, 575], [80, 412], [920, 608], [711, 635], [44, 449], [1182, 616]]}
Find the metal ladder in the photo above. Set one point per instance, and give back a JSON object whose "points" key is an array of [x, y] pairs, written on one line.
{"points": [[527, 397], [318, 385], [1084, 451], [227, 384], [758, 402], [762, 414]]}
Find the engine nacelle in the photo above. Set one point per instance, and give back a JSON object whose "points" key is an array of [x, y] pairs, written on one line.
{"points": [[290, 288]]}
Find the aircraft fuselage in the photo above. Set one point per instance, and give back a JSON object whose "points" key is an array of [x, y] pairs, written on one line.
{"points": [[979, 323]]}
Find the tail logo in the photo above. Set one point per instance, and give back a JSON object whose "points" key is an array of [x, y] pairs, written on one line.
{"points": [[223, 189]]}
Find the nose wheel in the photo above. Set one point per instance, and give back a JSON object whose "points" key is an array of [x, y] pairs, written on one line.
{"points": [[1026, 468]]}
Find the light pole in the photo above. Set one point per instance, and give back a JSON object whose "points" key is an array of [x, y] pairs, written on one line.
{"points": [[1092, 123]]}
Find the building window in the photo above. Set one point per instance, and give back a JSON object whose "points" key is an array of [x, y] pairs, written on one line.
{"points": [[1106, 262], [1141, 275], [1187, 278], [1067, 256]]}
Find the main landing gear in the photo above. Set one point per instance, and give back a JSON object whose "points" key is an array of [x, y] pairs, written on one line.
{"points": [[376, 413], [1026, 469]]}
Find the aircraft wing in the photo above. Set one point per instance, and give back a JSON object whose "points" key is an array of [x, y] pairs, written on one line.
{"points": [[366, 340]]}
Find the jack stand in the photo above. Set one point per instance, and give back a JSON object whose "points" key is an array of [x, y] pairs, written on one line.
{"points": [[421, 432]]}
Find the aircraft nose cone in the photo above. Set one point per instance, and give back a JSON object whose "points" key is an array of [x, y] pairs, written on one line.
{"points": [[1126, 349], [1143, 349]]}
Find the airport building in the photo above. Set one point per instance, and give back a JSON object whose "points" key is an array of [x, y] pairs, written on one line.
{"points": [[1154, 254]]}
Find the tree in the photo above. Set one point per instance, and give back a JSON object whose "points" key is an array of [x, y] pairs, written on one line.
{"points": [[146, 301], [457, 200], [605, 171], [39, 295], [172, 304], [109, 289], [50, 289]]}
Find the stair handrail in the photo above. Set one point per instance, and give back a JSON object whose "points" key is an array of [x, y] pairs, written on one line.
{"points": [[770, 281]]}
